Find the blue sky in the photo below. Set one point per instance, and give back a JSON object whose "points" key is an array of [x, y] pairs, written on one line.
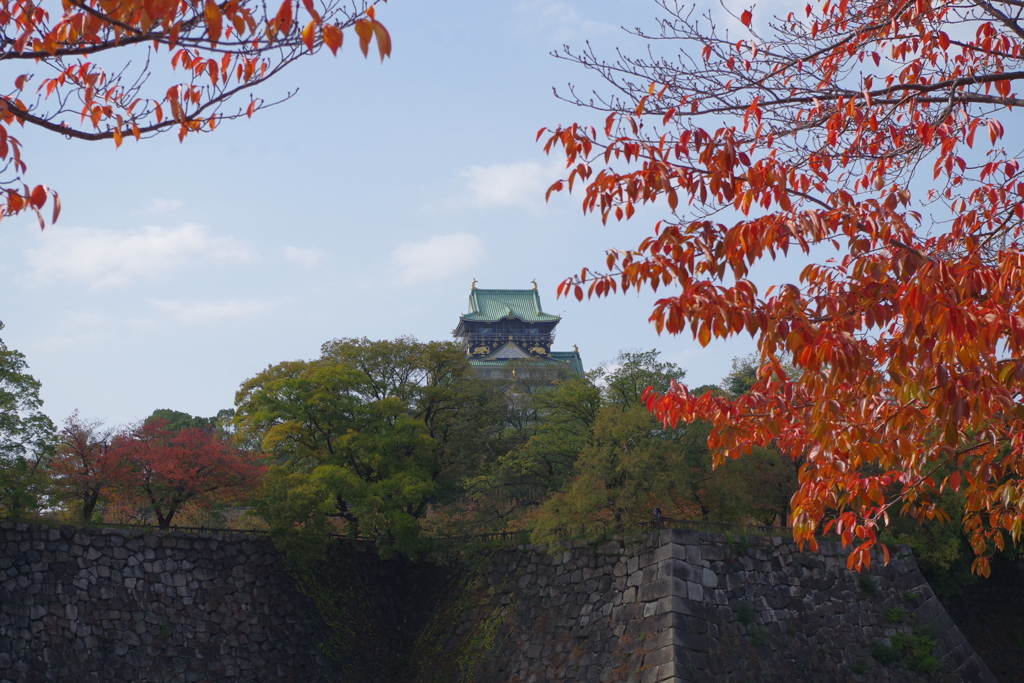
{"points": [[364, 206]]}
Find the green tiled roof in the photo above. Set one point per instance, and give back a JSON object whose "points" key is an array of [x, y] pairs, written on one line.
{"points": [[570, 357], [491, 305]]}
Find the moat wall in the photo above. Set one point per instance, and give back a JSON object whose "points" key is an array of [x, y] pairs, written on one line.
{"points": [[114, 605]]}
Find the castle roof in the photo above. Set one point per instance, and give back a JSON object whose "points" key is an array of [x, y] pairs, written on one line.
{"points": [[492, 305]]}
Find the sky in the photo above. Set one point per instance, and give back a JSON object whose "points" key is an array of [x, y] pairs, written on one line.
{"points": [[362, 207]]}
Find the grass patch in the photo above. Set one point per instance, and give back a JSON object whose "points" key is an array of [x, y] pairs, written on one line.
{"points": [[915, 649], [896, 615]]}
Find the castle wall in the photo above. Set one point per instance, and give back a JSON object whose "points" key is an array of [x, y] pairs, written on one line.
{"points": [[113, 605], [689, 606]]}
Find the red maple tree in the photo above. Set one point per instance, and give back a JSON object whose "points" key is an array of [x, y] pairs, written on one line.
{"points": [[874, 128], [162, 471], [81, 464]]}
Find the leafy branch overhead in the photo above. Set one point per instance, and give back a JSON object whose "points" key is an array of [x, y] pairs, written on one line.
{"points": [[111, 70], [871, 129]]}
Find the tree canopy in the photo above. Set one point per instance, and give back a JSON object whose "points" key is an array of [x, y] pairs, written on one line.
{"points": [[26, 435], [82, 465], [159, 471], [99, 70], [362, 438], [872, 129], [626, 463]]}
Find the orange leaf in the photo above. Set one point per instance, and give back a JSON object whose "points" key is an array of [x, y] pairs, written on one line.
{"points": [[364, 29], [214, 21], [311, 8], [746, 18], [285, 17], [333, 37], [309, 35], [383, 39]]}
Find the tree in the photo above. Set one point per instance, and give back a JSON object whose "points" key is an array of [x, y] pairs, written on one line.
{"points": [[26, 435], [82, 466], [627, 377], [177, 420], [628, 463], [529, 459], [162, 470], [808, 133], [222, 50], [366, 435]]}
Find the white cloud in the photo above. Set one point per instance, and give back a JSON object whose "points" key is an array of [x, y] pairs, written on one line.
{"points": [[212, 311], [81, 328], [561, 22], [300, 256], [436, 258], [108, 259], [164, 205], [520, 185]]}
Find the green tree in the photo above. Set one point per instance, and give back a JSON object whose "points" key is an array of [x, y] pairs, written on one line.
{"points": [[26, 436], [535, 457], [625, 463], [632, 463], [366, 436], [627, 377]]}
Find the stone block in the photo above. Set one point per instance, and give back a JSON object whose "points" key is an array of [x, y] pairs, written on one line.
{"points": [[661, 588]]}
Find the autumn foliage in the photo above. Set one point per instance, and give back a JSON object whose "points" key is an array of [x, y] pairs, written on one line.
{"points": [[169, 65], [83, 465], [162, 471], [867, 137]]}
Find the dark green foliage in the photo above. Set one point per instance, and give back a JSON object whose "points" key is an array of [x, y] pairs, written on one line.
{"points": [[26, 437], [177, 420], [745, 613], [533, 444], [917, 649], [940, 548], [896, 615], [866, 585], [632, 464]]}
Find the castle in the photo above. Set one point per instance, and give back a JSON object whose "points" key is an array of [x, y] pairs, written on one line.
{"points": [[508, 325]]}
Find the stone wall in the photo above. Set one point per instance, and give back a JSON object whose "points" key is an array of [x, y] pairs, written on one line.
{"points": [[113, 605], [689, 606], [990, 612]]}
